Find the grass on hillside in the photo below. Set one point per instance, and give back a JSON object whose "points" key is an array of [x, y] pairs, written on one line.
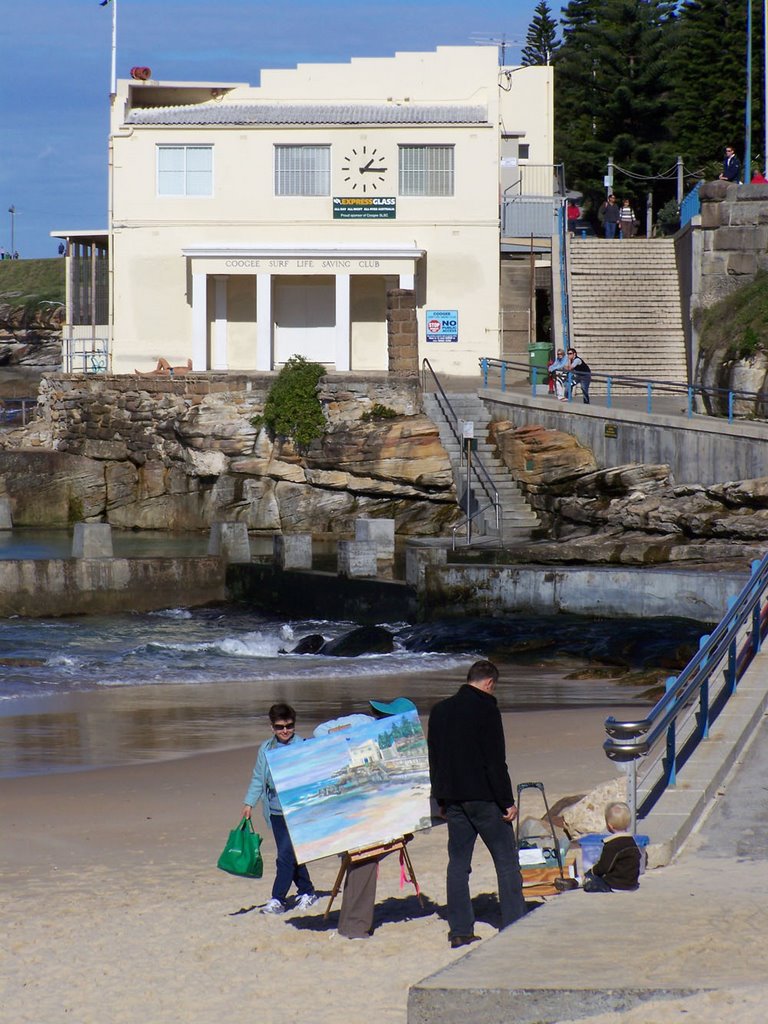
{"points": [[30, 282], [738, 323]]}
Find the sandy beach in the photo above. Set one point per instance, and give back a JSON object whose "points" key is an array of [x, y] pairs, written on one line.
{"points": [[114, 909]]}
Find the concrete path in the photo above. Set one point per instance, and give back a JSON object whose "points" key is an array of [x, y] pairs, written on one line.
{"points": [[697, 926]]}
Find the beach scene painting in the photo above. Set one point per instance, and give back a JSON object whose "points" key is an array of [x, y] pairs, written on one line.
{"points": [[363, 784]]}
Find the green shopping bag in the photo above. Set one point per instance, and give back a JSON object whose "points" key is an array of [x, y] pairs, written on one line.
{"points": [[242, 854]]}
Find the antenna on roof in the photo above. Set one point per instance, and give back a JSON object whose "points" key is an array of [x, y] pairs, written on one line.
{"points": [[501, 41]]}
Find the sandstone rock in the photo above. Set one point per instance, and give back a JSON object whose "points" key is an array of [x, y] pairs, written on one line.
{"points": [[537, 455], [206, 463], [588, 815]]}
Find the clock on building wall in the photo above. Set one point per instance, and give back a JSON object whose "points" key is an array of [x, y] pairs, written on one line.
{"points": [[364, 169]]}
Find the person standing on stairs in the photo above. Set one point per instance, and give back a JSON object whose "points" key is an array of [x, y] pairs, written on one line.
{"points": [[627, 220], [610, 211]]}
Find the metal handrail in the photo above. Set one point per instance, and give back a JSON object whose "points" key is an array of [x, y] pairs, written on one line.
{"points": [[462, 523], [483, 476], [690, 391], [693, 700]]}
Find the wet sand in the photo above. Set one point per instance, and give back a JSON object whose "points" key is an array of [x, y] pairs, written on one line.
{"points": [[113, 907]]}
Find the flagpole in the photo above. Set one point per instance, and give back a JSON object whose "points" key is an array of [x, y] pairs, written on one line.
{"points": [[113, 80]]}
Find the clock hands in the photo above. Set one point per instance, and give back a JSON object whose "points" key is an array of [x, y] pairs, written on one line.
{"points": [[366, 168]]}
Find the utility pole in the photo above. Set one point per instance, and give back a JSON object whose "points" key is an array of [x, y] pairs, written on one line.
{"points": [[12, 211], [747, 168]]}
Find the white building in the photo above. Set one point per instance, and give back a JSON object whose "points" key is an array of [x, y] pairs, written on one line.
{"points": [[248, 224]]}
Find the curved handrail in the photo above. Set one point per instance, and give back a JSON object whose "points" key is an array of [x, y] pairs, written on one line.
{"points": [[484, 477], [680, 720], [630, 739]]}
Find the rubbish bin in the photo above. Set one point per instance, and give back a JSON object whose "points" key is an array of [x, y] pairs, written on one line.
{"points": [[539, 355]]}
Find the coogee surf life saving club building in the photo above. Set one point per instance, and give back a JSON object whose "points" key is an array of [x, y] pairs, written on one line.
{"points": [[249, 224]]}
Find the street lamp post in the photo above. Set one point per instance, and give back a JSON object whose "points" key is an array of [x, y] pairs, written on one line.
{"points": [[12, 211], [748, 105]]}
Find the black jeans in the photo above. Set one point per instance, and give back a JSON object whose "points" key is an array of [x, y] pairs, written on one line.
{"points": [[467, 821]]}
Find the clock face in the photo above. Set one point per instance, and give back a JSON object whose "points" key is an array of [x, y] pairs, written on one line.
{"points": [[364, 169]]}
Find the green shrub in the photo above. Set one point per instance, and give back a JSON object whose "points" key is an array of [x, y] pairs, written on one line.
{"points": [[750, 343], [379, 412], [292, 409]]}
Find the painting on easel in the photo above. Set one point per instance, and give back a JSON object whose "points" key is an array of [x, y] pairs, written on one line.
{"points": [[362, 785]]}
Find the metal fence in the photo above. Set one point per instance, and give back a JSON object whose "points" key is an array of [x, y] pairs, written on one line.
{"points": [[691, 205], [656, 748], [86, 355], [721, 402]]}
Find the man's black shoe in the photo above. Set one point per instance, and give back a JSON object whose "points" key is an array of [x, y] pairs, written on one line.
{"points": [[463, 940]]}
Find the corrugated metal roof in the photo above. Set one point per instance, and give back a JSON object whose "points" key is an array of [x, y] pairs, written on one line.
{"points": [[310, 113]]}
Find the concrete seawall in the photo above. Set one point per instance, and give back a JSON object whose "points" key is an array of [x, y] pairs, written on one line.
{"points": [[605, 591], [99, 586], [698, 451]]}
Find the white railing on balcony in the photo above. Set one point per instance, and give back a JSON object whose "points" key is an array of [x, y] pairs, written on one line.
{"points": [[537, 180]]}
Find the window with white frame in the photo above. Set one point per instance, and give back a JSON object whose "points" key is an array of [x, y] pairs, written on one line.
{"points": [[302, 170], [185, 170], [426, 171]]}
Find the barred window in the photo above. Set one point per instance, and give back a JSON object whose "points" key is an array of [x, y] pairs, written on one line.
{"points": [[302, 170], [426, 171], [185, 170]]}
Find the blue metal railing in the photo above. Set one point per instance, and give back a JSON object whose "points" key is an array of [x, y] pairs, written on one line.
{"points": [[714, 397], [691, 205], [656, 748]]}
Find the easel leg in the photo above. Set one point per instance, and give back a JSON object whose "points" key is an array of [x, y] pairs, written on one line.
{"points": [[411, 875], [345, 862]]}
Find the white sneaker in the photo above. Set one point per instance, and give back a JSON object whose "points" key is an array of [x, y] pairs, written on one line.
{"points": [[309, 899], [273, 907]]}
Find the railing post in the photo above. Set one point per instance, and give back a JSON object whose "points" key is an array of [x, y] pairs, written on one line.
{"points": [[534, 379], [484, 367], [671, 758], [756, 624], [704, 695], [649, 388], [731, 679], [608, 396], [569, 386], [730, 407], [503, 376], [690, 403], [632, 794]]}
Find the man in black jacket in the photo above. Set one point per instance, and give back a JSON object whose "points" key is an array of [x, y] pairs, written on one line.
{"points": [[470, 782]]}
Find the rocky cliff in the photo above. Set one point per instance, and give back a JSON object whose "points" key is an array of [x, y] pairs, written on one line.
{"points": [[633, 515], [180, 454], [30, 337]]}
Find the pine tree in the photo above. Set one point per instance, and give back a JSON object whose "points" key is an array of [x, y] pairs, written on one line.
{"points": [[541, 41], [612, 94], [709, 82]]}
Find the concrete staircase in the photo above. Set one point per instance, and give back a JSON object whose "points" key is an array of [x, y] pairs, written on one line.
{"points": [[517, 518], [625, 307]]}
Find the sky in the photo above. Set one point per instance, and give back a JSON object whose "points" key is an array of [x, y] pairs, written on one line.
{"points": [[55, 76]]}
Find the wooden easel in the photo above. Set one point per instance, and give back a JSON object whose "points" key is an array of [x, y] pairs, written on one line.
{"points": [[375, 852]]}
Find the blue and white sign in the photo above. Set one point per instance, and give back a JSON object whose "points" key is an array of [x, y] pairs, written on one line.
{"points": [[442, 325]]}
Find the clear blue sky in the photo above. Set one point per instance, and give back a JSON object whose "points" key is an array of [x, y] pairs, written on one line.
{"points": [[55, 76]]}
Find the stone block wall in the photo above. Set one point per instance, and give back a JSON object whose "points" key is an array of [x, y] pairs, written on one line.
{"points": [[402, 331], [734, 228]]}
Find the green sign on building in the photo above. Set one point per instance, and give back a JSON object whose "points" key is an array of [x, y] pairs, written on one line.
{"points": [[366, 207]]}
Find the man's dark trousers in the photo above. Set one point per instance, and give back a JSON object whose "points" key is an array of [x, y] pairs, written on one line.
{"points": [[466, 821]]}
